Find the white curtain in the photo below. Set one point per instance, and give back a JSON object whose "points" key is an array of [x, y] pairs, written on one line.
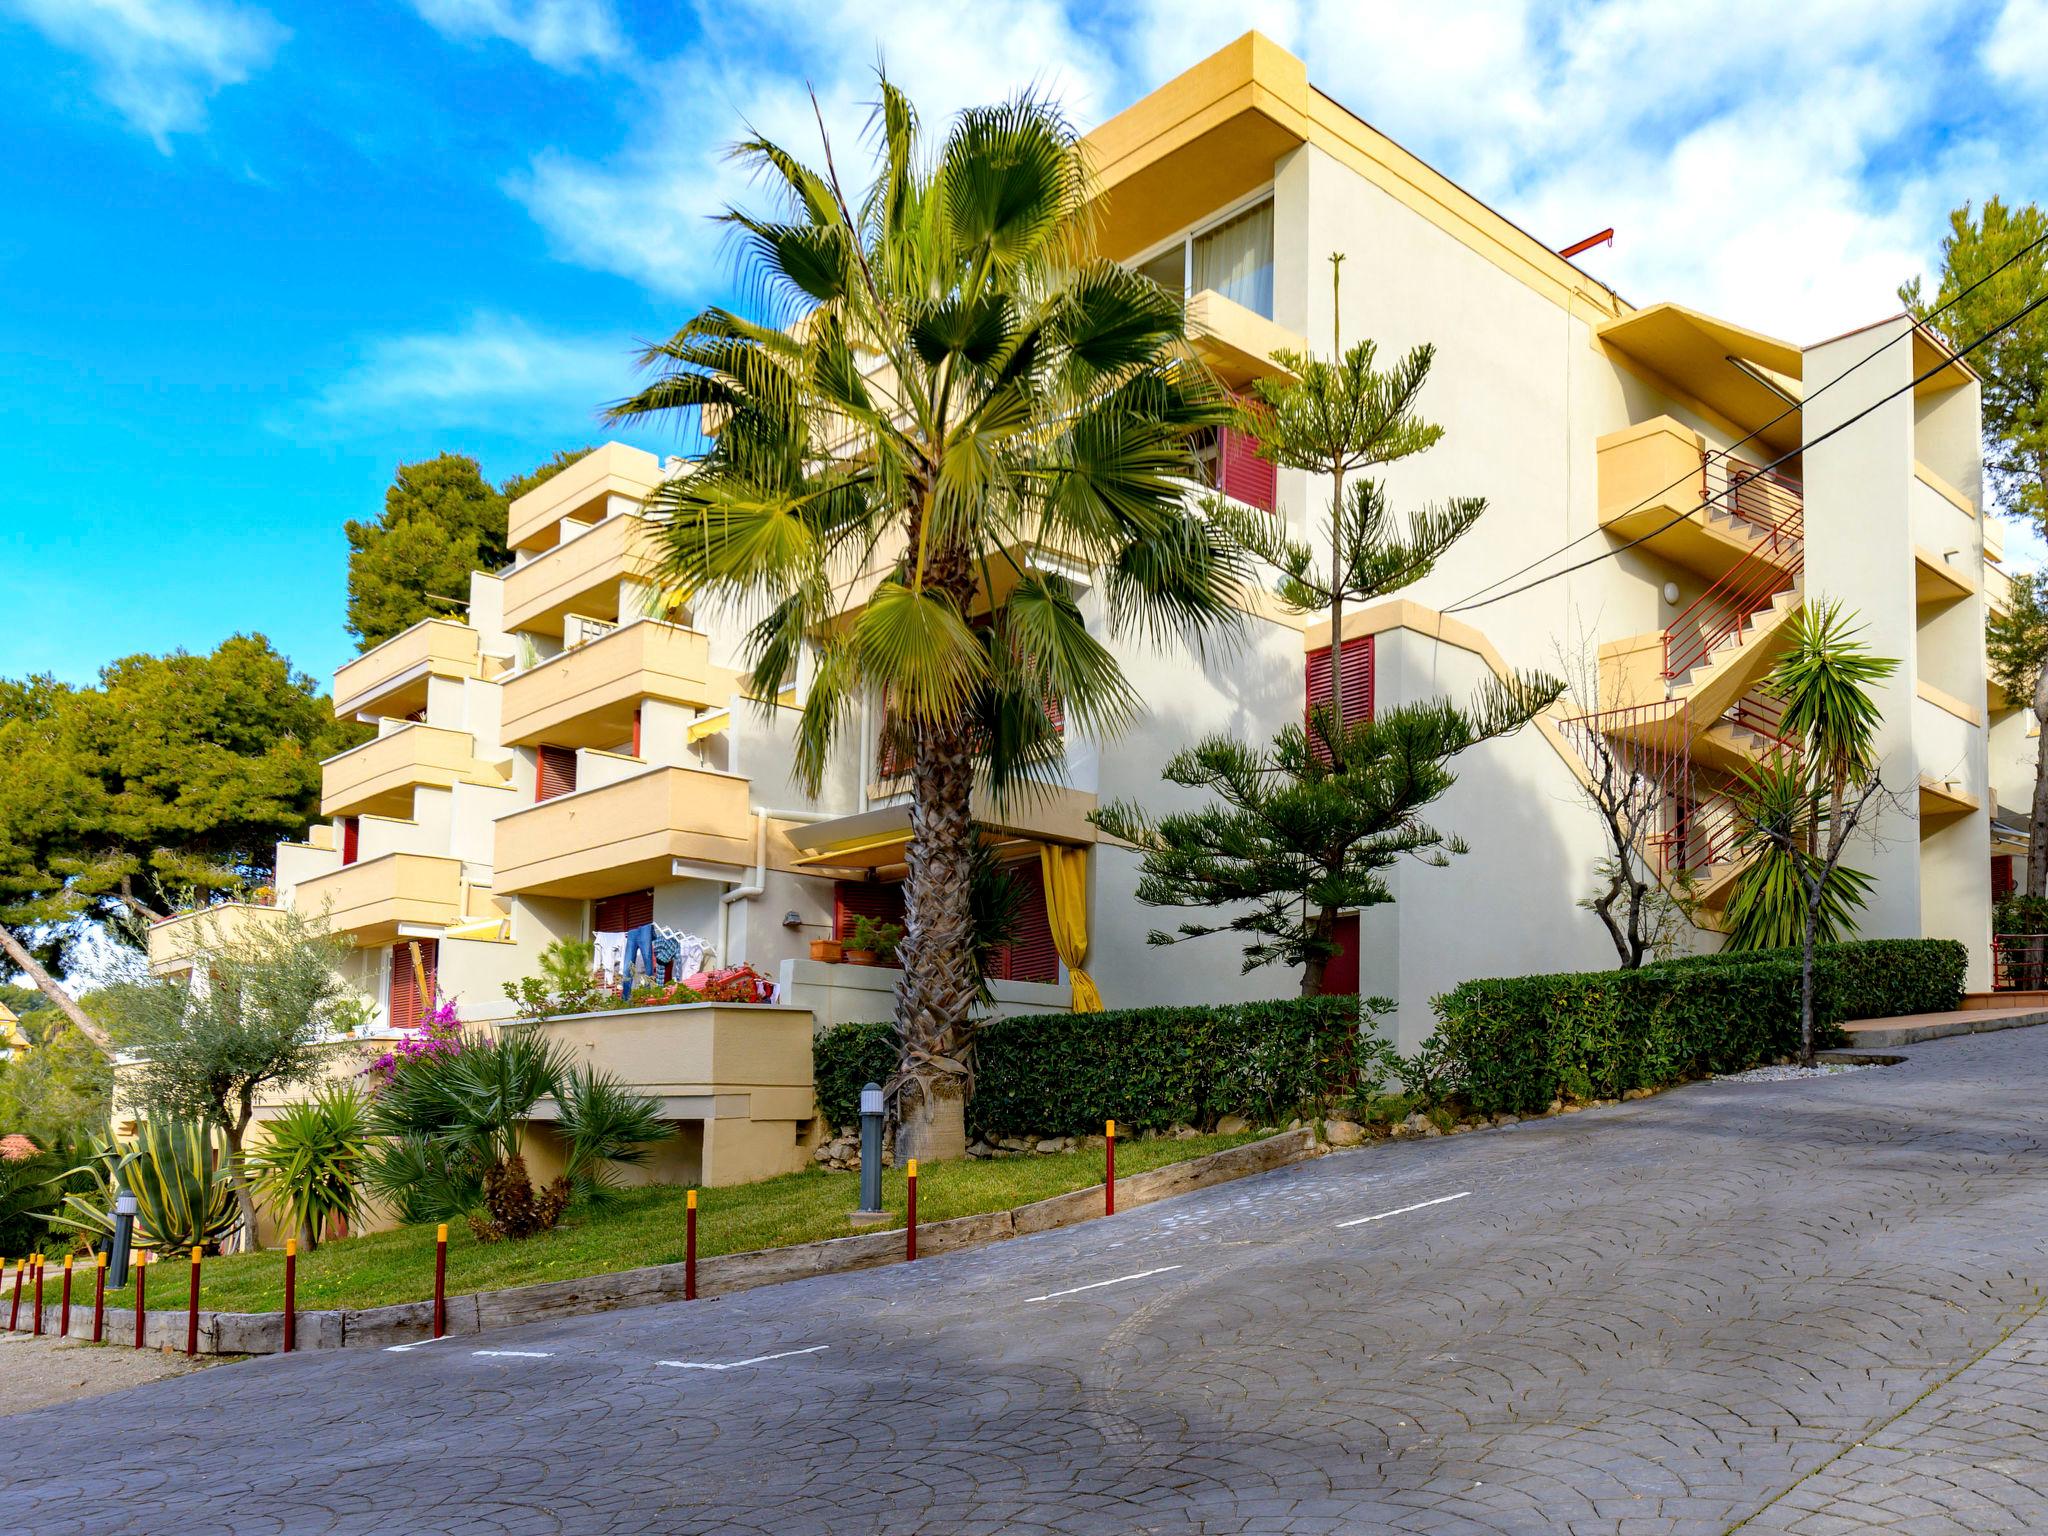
{"points": [[1236, 259]]}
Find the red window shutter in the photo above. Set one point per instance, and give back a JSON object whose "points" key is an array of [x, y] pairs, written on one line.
{"points": [[879, 901], [351, 838], [1241, 474], [1358, 680], [2002, 884], [1031, 955], [557, 773], [636, 733], [1340, 976], [408, 1006], [622, 913]]}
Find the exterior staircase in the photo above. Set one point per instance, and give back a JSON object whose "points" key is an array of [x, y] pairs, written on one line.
{"points": [[1679, 755]]}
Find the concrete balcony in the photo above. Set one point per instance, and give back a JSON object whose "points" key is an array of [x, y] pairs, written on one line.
{"points": [[1238, 343], [176, 943], [1653, 479], [369, 900], [581, 575], [598, 842], [379, 777], [391, 679], [586, 697], [614, 478]]}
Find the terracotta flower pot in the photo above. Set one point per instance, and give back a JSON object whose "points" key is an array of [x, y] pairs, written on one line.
{"points": [[860, 956], [828, 950]]}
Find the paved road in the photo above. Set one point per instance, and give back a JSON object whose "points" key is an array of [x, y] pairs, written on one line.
{"points": [[1798, 1308]]}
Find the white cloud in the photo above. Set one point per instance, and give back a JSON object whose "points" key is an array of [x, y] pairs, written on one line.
{"points": [[495, 371], [2016, 51], [158, 61], [647, 212], [563, 34]]}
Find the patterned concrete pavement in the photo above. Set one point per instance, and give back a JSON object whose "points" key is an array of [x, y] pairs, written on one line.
{"points": [[1791, 1308]]}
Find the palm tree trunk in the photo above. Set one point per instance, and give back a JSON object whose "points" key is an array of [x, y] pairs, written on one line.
{"points": [[81, 1021], [939, 979]]}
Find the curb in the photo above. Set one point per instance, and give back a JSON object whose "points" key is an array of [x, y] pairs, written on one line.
{"points": [[262, 1333], [1916, 1034]]}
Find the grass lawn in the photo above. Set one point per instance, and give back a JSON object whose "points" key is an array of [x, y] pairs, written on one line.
{"points": [[640, 1227]]}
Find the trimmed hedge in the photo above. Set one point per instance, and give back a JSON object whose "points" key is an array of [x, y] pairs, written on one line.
{"points": [[1064, 1074], [1519, 1042], [1864, 978]]}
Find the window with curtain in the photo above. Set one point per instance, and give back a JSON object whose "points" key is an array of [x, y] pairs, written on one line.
{"points": [[1236, 259]]}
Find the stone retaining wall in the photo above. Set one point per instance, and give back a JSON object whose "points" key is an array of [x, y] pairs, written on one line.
{"points": [[262, 1333]]}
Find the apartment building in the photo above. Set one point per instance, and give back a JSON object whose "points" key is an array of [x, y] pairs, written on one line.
{"points": [[576, 756]]}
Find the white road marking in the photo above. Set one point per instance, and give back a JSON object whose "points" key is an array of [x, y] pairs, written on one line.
{"points": [[1420, 1205], [1098, 1284], [515, 1354], [733, 1365], [399, 1349]]}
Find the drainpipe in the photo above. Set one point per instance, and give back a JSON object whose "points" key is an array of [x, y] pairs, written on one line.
{"points": [[759, 882]]}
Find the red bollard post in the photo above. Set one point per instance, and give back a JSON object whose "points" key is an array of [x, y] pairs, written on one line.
{"points": [[14, 1315], [690, 1246], [291, 1293], [192, 1309], [910, 1209], [1109, 1170], [99, 1296], [441, 1280], [39, 1292], [141, 1274], [64, 1307]]}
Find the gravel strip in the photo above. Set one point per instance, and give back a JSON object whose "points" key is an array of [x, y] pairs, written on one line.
{"points": [[34, 1373], [1796, 1074]]}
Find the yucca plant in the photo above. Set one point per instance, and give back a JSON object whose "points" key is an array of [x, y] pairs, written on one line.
{"points": [[176, 1171], [947, 388], [309, 1169]]}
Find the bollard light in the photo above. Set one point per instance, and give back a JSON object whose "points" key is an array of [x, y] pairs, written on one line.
{"points": [[870, 1151], [124, 1234]]}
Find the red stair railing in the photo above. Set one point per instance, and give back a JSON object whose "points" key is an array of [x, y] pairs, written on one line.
{"points": [[1745, 590]]}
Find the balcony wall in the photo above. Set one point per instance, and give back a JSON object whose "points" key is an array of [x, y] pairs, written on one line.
{"points": [[379, 777], [369, 899], [612, 478], [1650, 476], [176, 942], [1238, 343], [391, 679], [581, 575], [618, 836], [586, 697]]}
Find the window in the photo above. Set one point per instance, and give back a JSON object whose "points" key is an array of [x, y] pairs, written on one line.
{"points": [[1030, 955], [1358, 683], [622, 914], [879, 901], [409, 1001], [1234, 256], [1340, 976], [2002, 883], [351, 839], [555, 773]]}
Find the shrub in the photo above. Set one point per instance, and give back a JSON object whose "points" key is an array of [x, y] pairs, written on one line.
{"points": [[1865, 978], [311, 1165], [845, 1060], [1519, 1042], [176, 1171]]}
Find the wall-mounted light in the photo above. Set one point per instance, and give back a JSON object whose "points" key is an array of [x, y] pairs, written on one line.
{"points": [[1671, 592], [792, 920]]}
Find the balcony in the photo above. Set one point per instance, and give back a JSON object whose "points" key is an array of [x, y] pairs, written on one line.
{"points": [[391, 679], [597, 842], [1238, 343], [176, 942], [586, 697], [581, 575], [614, 478], [369, 900], [1654, 478], [379, 777]]}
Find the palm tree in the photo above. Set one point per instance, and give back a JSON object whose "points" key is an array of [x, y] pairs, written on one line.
{"points": [[953, 398]]}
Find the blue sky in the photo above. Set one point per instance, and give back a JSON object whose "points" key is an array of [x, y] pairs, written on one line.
{"points": [[258, 253]]}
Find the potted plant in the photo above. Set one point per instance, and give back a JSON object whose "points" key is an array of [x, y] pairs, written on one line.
{"points": [[831, 951], [873, 942]]}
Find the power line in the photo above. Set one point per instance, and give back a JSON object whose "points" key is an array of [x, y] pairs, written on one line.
{"points": [[1762, 469], [1650, 499]]}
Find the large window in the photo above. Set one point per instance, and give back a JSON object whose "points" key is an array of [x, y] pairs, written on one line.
{"points": [[1234, 256]]}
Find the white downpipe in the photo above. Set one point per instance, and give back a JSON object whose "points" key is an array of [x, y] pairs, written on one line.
{"points": [[759, 882]]}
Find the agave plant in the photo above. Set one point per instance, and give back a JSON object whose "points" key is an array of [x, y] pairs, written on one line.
{"points": [[311, 1165], [179, 1179]]}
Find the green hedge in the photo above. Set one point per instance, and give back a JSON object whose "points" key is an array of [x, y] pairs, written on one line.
{"points": [[1064, 1074], [1518, 1042], [1864, 978]]}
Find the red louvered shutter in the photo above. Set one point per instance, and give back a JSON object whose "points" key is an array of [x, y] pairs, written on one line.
{"points": [[1358, 681], [1340, 976], [1031, 955], [1242, 475], [2002, 882], [351, 838], [556, 774], [408, 1005], [879, 901], [623, 913]]}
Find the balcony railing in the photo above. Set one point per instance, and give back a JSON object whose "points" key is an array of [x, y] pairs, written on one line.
{"points": [[2019, 962]]}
